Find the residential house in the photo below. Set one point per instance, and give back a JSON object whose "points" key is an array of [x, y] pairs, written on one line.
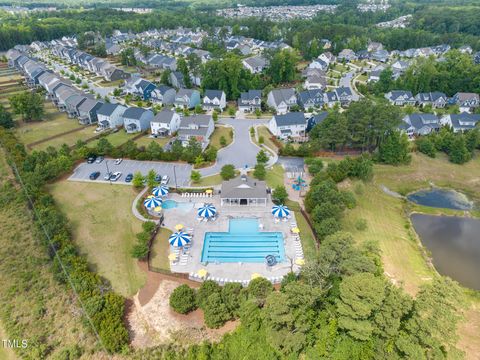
{"points": [[282, 100], [165, 123], [187, 98], [374, 75], [461, 122], [214, 99], [140, 87], [380, 55], [347, 55], [327, 57], [62, 93], [466, 49], [374, 46], [400, 97], [435, 99], [288, 126], [73, 103], [250, 100], [255, 64], [163, 95], [311, 99], [344, 95], [331, 99], [110, 116], [318, 64], [199, 127], [112, 73], [315, 82], [176, 79], [466, 101], [87, 111], [113, 49], [420, 124], [137, 119], [316, 119]]}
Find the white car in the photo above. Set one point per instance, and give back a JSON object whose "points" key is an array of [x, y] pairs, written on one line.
{"points": [[107, 176], [118, 161], [115, 176], [165, 180]]}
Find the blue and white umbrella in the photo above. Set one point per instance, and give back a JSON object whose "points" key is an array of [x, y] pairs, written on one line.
{"points": [[280, 211], [152, 202], [179, 239], [161, 190], [207, 211]]}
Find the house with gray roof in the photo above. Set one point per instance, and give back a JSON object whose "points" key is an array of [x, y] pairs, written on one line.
{"points": [[214, 99], [187, 98], [347, 55], [435, 99], [315, 82], [62, 93], [176, 79], [243, 191], [250, 100], [163, 95], [311, 99], [344, 95], [466, 101], [316, 119], [196, 126], [461, 122], [165, 123], [420, 124], [255, 64], [87, 111], [136, 119], [288, 126], [400, 97], [282, 100], [110, 116], [73, 103]]}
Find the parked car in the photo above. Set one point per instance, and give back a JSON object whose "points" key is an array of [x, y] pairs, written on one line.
{"points": [[107, 176], [118, 161], [165, 180], [91, 159], [158, 178], [129, 178], [115, 176], [94, 175], [99, 160]]}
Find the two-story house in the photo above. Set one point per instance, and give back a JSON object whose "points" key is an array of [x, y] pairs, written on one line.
{"points": [[110, 116], [461, 122], [420, 124], [87, 111], [255, 64], [435, 99], [250, 100], [187, 98], [214, 99], [199, 127], [311, 99], [400, 97], [282, 100], [165, 123], [137, 119], [163, 95], [466, 101], [289, 126]]}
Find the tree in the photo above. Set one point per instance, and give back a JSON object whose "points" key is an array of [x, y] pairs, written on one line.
{"points": [[315, 165], [360, 297], [138, 179], [192, 150], [195, 176], [227, 172], [282, 66], [216, 312], [280, 195], [29, 105], [258, 289], [104, 147], [182, 299], [459, 153], [207, 288], [165, 77], [150, 178], [182, 67], [262, 157], [211, 153], [127, 57], [332, 132], [259, 172], [395, 149], [6, 120], [426, 146], [231, 296], [223, 141]]}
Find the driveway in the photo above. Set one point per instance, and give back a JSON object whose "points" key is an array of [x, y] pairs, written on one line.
{"points": [[242, 152], [347, 81], [174, 170]]}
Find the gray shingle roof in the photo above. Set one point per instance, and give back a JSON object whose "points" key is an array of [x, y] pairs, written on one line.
{"points": [[107, 109], [243, 188], [134, 113], [292, 118]]}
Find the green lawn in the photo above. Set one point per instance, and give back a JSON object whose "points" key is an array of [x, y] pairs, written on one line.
{"points": [[218, 133], [116, 139], [160, 250], [103, 228], [309, 244], [266, 134], [209, 181], [275, 176], [145, 141], [69, 139]]}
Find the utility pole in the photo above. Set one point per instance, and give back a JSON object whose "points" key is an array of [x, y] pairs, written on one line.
{"points": [[108, 172], [175, 177]]}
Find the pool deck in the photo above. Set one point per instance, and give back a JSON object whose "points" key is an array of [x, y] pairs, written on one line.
{"points": [[230, 272]]}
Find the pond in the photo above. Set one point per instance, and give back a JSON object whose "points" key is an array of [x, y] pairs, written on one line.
{"points": [[441, 198], [454, 243]]}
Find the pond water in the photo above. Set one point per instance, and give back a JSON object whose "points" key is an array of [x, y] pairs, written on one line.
{"points": [[441, 198], [454, 243]]}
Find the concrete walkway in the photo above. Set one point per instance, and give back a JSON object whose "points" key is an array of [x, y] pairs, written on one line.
{"points": [[242, 152], [135, 211]]}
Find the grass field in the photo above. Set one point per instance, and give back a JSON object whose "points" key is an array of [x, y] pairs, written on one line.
{"points": [[266, 134], [116, 139], [275, 176], [161, 249], [145, 141], [69, 139], [209, 181], [218, 133], [104, 229]]}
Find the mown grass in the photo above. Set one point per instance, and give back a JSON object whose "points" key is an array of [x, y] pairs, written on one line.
{"points": [[275, 176], [116, 139], [263, 131], [145, 141], [69, 139], [218, 133], [103, 228], [161, 250], [209, 181]]}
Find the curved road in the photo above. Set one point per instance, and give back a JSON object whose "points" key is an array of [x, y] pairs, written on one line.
{"points": [[241, 152]]}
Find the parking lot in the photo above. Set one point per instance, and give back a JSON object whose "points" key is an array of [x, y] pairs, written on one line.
{"points": [[180, 172]]}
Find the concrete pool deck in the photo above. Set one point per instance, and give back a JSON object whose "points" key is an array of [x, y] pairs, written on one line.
{"points": [[230, 272]]}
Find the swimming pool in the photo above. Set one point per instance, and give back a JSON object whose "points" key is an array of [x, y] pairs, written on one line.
{"points": [[242, 243], [172, 204]]}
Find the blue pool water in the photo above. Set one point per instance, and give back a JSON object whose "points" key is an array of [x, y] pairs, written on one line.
{"points": [[242, 243], [172, 204]]}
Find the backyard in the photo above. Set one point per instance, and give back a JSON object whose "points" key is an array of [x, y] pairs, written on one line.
{"points": [[103, 228]]}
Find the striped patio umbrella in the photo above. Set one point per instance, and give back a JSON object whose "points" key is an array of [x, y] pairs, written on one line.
{"points": [[161, 190], [152, 202], [280, 211], [207, 211], [179, 239]]}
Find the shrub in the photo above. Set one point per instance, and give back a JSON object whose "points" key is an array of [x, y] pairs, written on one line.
{"points": [[280, 195], [227, 172], [426, 146], [216, 313], [261, 139], [262, 157], [361, 224], [260, 173], [223, 141], [195, 176], [182, 299], [208, 288], [359, 188]]}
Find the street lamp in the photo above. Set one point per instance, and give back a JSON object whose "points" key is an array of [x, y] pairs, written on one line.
{"points": [[175, 176], [108, 172]]}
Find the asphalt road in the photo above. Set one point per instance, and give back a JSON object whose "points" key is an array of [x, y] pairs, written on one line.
{"points": [[346, 81], [182, 171], [242, 153]]}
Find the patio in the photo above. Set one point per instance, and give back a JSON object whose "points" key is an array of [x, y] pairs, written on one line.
{"points": [[229, 272]]}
